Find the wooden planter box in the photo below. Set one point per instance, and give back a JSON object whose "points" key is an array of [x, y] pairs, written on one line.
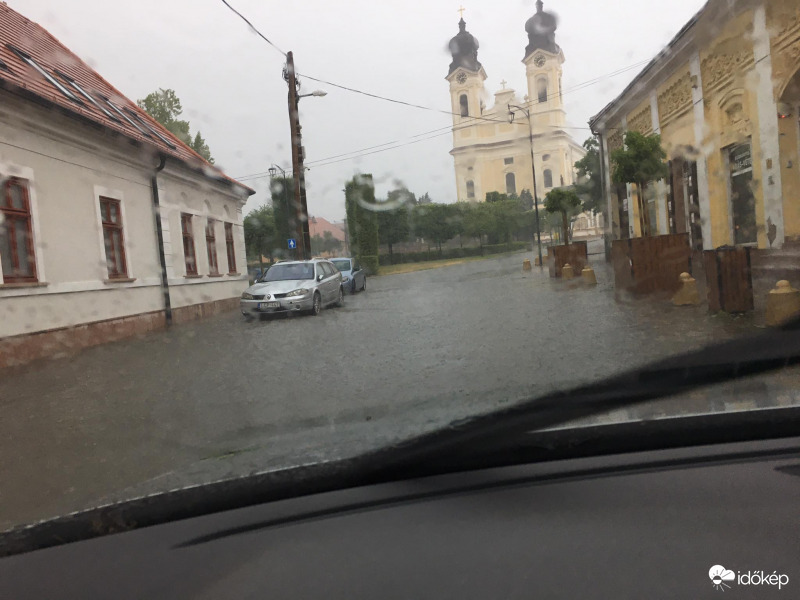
{"points": [[575, 254], [651, 264], [729, 278]]}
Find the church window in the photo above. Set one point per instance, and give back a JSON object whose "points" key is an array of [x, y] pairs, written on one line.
{"points": [[548, 178], [464, 105], [511, 184], [470, 189], [541, 89], [508, 161]]}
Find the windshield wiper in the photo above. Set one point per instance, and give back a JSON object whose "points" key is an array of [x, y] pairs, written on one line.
{"points": [[490, 440]]}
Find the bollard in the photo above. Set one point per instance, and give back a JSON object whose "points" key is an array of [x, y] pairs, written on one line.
{"points": [[687, 295], [588, 275], [567, 272], [783, 303], [537, 262], [526, 265]]}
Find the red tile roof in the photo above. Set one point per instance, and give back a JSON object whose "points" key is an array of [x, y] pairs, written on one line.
{"points": [[29, 37], [318, 226]]}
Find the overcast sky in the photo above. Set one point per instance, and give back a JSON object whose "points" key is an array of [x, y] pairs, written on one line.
{"points": [[229, 80]]}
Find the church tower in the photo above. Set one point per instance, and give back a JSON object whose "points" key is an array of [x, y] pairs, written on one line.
{"points": [[543, 60], [466, 77]]}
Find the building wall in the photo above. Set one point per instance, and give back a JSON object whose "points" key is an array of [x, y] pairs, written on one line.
{"points": [[738, 96], [69, 165]]}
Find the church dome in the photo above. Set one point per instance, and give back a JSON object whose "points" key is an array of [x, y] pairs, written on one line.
{"points": [[464, 49], [541, 29]]}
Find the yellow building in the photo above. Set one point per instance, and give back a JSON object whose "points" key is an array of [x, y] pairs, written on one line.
{"points": [[725, 97], [492, 154]]}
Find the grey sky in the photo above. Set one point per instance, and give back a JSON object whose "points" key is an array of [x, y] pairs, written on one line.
{"points": [[229, 80]]}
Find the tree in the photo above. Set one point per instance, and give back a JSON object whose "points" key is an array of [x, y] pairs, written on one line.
{"points": [[165, 107], [282, 193], [425, 199], [590, 186], [199, 145], [436, 222], [362, 220], [566, 202], [260, 234], [640, 162], [393, 222], [321, 244], [526, 198], [495, 197], [478, 220]]}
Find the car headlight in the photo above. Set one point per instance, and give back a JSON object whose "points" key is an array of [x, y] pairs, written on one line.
{"points": [[294, 294], [247, 296]]}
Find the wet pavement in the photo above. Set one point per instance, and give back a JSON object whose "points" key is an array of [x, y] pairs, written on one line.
{"points": [[228, 396]]}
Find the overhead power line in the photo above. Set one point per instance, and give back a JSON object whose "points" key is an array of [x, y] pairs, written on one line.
{"points": [[253, 28]]}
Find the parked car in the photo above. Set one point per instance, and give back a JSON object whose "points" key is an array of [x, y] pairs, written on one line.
{"points": [[294, 286], [354, 277]]}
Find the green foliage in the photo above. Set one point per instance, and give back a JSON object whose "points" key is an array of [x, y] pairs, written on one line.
{"points": [[437, 223], [640, 161], [282, 192], [589, 186], [424, 199], [199, 145], [394, 225], [165, 107], [325, 243], [452, 253], [259, 233], [362, 221], [526, 198], [477, 220], [566, 202], [495, 197]]}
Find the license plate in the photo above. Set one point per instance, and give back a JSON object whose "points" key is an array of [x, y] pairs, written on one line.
{"points": [[264, 305]]}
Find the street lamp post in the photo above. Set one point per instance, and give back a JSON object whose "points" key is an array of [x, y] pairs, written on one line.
{"points": [[527, 112], [273, 171], [301, 205]]}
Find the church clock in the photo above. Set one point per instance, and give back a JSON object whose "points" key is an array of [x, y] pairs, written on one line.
{"points": [[539, 60], [461, 77]]}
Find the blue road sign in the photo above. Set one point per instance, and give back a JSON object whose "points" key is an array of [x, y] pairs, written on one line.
{"points": [[292, 244]]}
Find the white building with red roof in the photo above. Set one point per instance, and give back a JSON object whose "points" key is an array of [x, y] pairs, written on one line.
{"points": [[109, 224]]}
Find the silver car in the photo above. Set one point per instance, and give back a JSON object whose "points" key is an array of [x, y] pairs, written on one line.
{"points": [[297, 286]]}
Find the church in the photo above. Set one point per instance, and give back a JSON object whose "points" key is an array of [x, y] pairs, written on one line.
{"points": [[493, 147]]}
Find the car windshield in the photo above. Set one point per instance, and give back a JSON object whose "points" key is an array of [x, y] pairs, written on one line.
{"points": [[290, 272], [342, 265], [538, 197]]}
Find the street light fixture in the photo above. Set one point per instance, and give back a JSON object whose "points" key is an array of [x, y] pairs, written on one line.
{"points": [[527, 112], [317, 93]]}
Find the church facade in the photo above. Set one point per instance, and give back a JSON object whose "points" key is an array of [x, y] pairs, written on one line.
{"points": [[492, 145]]}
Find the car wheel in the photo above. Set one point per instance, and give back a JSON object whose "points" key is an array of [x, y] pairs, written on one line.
{"points": [[316, 307], [353, 289], [341, 297], [364, 286]]}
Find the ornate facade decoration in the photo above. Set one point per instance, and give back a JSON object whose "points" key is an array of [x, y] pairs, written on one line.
{"points": [[785, 49], [642, 121], [719, 69], [676, 99], [614, 140]]}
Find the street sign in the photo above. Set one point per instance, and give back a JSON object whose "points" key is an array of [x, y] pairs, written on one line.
{"points": [[292, 244]]}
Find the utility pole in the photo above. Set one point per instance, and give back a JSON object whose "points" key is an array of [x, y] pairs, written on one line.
{"points": [[527, 113], [300, 227]]}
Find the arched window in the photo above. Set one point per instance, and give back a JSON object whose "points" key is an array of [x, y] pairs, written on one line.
{"points": [[541, 89], [511, 184], [470, 189], [464, 105], [548, 178]]}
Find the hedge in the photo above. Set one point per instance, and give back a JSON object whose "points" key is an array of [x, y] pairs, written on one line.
{"points": [[416, 257]]}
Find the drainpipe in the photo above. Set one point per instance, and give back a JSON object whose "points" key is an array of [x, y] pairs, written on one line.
{"points": [[160, 235]]}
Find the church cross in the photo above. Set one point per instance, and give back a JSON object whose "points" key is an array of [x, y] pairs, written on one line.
{"points": [[461, 10], [503, 83]]}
